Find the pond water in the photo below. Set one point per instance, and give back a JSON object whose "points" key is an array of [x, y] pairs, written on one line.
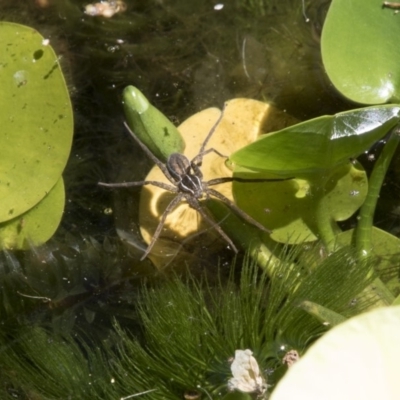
{"points": [[185, 56]]}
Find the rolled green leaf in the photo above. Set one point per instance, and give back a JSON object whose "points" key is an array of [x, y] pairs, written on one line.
{"points": [[151, 126]]}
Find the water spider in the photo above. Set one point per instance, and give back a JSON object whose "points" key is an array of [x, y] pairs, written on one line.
{"points": [[187, 182]]}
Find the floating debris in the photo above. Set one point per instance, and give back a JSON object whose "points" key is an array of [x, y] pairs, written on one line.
{"points": [[246, 374], [105, 8], [291, 357]]}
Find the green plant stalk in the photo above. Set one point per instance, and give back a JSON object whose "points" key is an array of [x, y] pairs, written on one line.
{"points": [[327, 228], [325, 225], [365, 223]]}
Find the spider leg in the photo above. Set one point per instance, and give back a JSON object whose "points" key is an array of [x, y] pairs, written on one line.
{"points": [[217, 181], [161, 185], [235, 208], [194, 203], [156, 161], [199, 157], [160, 225], [197, 160]]}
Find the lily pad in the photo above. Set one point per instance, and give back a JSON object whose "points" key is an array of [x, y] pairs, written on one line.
{"points": [[37, 225], [36, 119], [360, 50], [355, 360]]}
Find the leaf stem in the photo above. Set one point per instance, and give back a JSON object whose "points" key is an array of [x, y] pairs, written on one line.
{"points": [[326, 227], [365, 223]]}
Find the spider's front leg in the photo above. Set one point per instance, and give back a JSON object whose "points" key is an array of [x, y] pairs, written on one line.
{"points": [[198, 160], [161, 185], [161, 165]]}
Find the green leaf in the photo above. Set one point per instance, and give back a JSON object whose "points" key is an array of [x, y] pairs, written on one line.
{"points": [[355, 360], [296, 210], [36, 120], [360, 50], [318, 144], [36, 225], [152, 127]]}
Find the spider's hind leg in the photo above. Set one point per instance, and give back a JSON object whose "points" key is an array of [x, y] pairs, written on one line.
{"points": [[160, 225], [194, 203], [237, 210]]}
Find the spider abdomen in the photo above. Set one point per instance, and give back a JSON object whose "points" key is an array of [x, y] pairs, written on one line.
{"points": [[178, 166]]}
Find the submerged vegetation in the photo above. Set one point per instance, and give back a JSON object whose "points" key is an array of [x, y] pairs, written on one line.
{"points": [[187, 332]]}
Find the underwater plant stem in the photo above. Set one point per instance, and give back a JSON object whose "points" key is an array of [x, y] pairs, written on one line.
{"points": [[366, 216]]}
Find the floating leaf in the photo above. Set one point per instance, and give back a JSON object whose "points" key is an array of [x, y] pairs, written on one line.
{"points": [[355, 360], [36, 119], [36, 225], [318, 144], [360, 50]]}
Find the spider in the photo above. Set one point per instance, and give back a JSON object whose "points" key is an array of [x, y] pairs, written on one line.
{"points": [[186, 179]]}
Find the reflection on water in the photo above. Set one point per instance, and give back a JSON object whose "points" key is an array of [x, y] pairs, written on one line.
{"points": [[185, 56]]}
